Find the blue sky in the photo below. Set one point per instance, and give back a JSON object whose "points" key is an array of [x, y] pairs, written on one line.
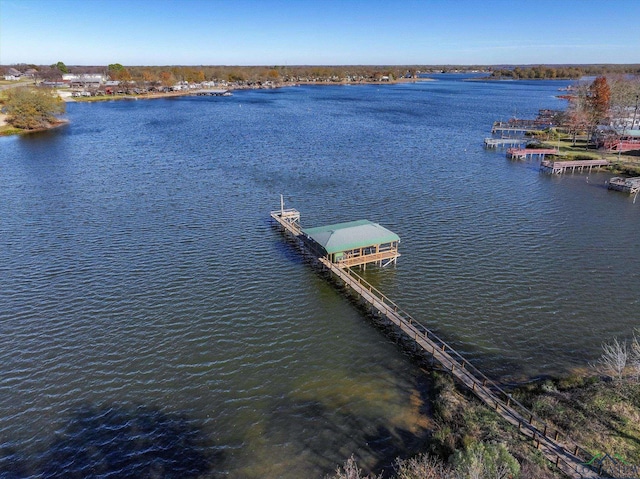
{"points": [[323, 32]]}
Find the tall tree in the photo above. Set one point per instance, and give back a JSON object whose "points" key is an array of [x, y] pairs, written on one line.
{"points": [[600, 98], [167, 78], [118, 72], [61, 67]]}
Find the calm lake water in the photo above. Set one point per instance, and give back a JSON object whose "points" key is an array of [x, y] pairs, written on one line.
{"points": [[152, 320]]}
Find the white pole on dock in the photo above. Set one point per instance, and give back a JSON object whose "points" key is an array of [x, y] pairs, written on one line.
{"points": [[281, 206]]}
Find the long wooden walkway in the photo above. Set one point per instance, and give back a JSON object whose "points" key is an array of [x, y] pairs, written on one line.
{"points": [[567, 455]]}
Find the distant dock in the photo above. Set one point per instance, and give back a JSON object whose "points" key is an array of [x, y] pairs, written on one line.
{"points": [[512, 128], [527, 153], [560, 167], [502, 142], [211, 92], [626, 185]]}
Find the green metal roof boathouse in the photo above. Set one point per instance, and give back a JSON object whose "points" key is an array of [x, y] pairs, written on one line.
{"points": [[354, 243]]}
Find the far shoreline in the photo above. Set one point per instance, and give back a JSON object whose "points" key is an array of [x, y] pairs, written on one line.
{"points": [[172, 94]]}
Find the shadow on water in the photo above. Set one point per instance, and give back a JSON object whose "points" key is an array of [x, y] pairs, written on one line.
{"points": [[330, 437], [119, 442]]}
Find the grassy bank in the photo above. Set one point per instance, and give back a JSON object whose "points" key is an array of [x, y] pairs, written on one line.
{"points": [[602, 415], [7, 130], [626, 163]]}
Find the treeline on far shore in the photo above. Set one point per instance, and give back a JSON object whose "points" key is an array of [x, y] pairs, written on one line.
{"points": [[283, 74], [569, 72]]}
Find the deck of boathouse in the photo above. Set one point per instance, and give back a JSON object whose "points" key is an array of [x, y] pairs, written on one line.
{"points": [[558, 448]]}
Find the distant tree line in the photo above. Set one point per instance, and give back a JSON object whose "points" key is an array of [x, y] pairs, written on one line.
{"points": [[168, 75], [569, 72]]}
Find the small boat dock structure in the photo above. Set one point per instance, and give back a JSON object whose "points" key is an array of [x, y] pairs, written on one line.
{"points": [[527, 153], [558, 448], [560, 167], [212, 92], [626, 185], [520, 126], [502, 142], [510, 129]]}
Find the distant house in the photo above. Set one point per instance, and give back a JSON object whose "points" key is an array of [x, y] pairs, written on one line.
{"points": [[83, 79], [12, 75]]}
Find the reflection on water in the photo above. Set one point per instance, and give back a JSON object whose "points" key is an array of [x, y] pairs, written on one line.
{"points": [[138, 267]]}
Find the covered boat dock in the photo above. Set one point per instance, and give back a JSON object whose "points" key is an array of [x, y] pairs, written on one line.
{"points": [[355, 243]]}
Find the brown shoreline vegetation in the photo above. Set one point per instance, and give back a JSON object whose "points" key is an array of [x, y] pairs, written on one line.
{"points": [[597, 406], [469, 439]]}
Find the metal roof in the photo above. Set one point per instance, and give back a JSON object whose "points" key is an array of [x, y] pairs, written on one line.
{"points": [[351, 235]]}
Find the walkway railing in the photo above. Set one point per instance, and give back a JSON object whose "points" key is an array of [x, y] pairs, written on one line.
{"points": [[559, 448]]}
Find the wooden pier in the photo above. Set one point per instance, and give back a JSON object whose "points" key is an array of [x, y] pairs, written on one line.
{"points": [[501, 142], [558, 448], [626, 185], [560, 167], [512, 128], [211, 92], [527, 153]]}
